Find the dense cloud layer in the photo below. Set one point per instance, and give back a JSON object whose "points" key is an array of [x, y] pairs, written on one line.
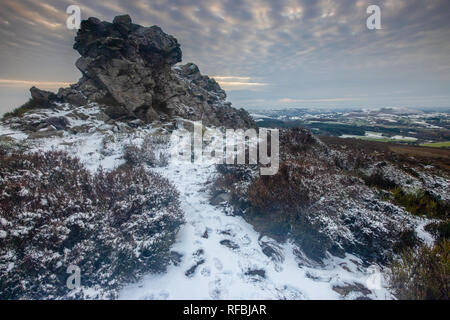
{"points": [[267, 53]]}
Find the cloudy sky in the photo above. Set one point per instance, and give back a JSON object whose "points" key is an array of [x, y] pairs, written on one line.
{"points": [[265, 53]]}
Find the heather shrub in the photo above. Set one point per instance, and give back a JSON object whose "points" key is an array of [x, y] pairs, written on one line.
{"points": [[232, 177], [134, 156], [407, 239], [378, 180], [115, 226], [278, 206], [324, 207], [423, 273], [420, 203], [296, 140], [151, 152], [282, 191], [440, 230]]}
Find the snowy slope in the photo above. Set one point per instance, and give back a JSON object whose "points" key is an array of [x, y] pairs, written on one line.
{"points": [[219, 253], [220, 256]]}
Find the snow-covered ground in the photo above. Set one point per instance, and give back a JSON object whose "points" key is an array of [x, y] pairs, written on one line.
{"points": [[220, 255], [378, 135]]}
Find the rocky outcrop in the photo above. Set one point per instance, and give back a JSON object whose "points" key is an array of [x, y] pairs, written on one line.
{"points": [[42, 98], [130, 70]]}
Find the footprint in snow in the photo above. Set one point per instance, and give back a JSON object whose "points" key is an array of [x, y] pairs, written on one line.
{"points": [[199, 228], [206, 272], [217, 289], [287, 292], [245, 240], [234, 227], [271, 249], [218, 264], [227, 232], [163, 295]]}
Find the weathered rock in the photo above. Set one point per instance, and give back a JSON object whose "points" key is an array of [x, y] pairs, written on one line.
{"points": [[256, 272], [191, 72], [348, 288], [220, 198], [72, 96], [129, 71], [42, 98], [45, 134], [230, 244], [58, 123]]}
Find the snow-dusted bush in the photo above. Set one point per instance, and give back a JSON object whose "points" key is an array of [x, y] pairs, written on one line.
{"points": [[151, 152], [114, 226], [296, 140]]}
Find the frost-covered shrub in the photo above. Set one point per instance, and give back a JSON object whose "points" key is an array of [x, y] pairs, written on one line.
{"points": [[133, 155], [279, 204], [54, 213], [377, 179], [295, 140], [233, 179], [283, 191]]}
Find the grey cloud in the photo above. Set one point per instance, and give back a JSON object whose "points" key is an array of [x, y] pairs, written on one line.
{"points": [[305, 49]]}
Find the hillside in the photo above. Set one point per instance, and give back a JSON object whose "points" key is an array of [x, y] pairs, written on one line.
{"points": [[90, 177]]}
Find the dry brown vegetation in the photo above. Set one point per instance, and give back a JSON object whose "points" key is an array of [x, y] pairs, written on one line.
{"points": [[411, 155], [423, 273]]}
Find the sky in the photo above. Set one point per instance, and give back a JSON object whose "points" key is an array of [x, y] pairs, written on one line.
{"points": [[264, 53]]}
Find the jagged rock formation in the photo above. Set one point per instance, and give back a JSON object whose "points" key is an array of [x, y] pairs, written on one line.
{"points": [[129, 70]]}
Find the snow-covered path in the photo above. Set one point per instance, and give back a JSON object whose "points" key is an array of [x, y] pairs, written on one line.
{"points": [[218, 256], [222, 256]]}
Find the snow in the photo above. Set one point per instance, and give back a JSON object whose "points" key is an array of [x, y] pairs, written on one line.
{"points": [[404, 138], [216, 271], [425, 236], [15, 134], [221, 270], [377, 135]]}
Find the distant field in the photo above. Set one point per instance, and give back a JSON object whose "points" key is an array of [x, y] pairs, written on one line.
{"points": [[437, 144], [439, 157], [427, 154], [379, 139], [375, 139]]}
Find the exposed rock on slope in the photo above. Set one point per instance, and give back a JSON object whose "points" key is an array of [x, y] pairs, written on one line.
{"points": [[129, 70]]}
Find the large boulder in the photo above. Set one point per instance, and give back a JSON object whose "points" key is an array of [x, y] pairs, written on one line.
{"points": [[130, 70], [42, 98]]}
